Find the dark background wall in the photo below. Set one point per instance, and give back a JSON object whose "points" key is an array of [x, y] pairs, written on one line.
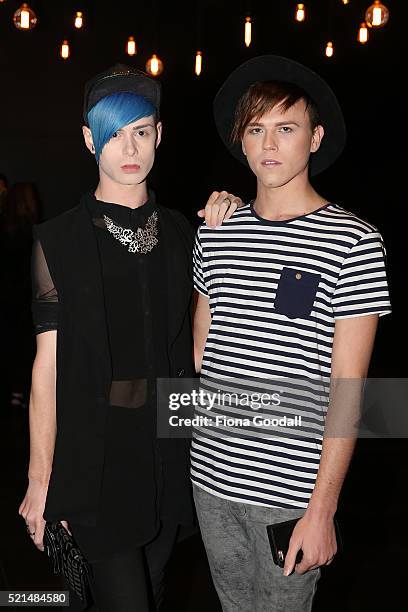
{"points": [[41, 103]]}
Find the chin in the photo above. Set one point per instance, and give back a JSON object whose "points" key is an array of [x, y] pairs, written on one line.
{"points": [[277, 181], [271, 183], [130, 179]]}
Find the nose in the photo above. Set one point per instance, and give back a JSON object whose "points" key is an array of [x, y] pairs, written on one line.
{"points": [[129, 145], [269, 141]]}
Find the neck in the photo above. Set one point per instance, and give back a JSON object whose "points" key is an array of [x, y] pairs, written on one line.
{"points": [[294, 199], [109, 190]]}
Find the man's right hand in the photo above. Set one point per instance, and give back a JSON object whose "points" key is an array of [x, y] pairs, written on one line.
{"points": [[220, 206], [32, 510], [43, 427]]}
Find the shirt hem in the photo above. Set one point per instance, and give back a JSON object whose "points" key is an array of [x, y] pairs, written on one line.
{"points": [[200, 291], [240, 501], [363, 314]]}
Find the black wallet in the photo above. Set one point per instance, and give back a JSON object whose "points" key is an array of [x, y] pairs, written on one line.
{"points": [[66, 558], [279, 535]]}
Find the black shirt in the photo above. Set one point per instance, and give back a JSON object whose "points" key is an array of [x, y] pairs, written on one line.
{"points": [[135, 293]]}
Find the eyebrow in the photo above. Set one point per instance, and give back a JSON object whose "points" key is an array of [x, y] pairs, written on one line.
{"points": [[279, 123], [139, 127]]}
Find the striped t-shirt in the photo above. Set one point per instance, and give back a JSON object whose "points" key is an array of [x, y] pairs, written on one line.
{"points": [[275, 290]]}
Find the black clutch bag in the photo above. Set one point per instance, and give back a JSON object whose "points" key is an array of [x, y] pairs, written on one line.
{"points": [[279, 535], [67, 559]]}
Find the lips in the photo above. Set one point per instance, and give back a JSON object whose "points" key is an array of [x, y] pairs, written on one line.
{"points": [[270, 163], [130, 168]]}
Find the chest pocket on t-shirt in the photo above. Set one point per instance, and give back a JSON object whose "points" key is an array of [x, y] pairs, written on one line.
{"points": [[296, 292]]}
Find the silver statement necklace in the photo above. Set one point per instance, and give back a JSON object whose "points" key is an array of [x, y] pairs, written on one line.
{"points": [[140, 241]]}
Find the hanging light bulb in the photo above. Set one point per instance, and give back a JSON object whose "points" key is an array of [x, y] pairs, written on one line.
{"points": [[248, 31], [154, 65], [24, 18], [376, 15], [363, 33], [79, 20], [198, 63], [65, 51], [300, 12], [131, 48], [329, 49], [345, 1]]}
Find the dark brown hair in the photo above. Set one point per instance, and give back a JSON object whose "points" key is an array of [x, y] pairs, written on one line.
{"points": [[261, 97]]}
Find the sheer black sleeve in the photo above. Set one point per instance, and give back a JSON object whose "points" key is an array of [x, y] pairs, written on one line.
{"points": [[44, 305]]}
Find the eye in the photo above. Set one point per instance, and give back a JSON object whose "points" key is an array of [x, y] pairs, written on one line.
{"points": [[141, 132], [255, 130], [285, 129], [114, 135]]}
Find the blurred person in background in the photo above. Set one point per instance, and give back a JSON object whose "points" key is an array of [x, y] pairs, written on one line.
{"points": [[20, 206], [3, 188]]}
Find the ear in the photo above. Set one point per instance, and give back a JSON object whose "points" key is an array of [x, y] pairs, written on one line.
{"points": [[159, 131], [88, 139], [243, 148], [317, 136]]}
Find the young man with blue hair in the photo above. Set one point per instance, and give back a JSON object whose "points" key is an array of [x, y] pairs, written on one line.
{"points": [[112, 287]]}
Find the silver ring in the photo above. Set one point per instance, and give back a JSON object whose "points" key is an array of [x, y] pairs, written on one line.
{"points": [[227, 200]]}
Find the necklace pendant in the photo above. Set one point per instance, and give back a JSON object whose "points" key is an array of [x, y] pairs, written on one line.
{"points": [[143, 240]]}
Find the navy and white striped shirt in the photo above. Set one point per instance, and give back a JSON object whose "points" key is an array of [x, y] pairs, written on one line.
{"points": [[275, 290]]}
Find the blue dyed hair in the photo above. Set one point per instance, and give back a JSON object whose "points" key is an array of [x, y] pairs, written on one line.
{"points": [[112, 113]]}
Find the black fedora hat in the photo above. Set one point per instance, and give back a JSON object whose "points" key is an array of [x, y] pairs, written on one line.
{"points": [[120, 78], [276, 68]]}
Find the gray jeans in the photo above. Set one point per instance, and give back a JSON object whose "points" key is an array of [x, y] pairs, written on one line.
{"points": [[238, 551]]}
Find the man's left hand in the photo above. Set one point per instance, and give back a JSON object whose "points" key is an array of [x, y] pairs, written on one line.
{"points": [[316, 537], [221, 205]]}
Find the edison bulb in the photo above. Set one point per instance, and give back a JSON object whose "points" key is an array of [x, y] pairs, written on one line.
{"points": [[377, 15]]}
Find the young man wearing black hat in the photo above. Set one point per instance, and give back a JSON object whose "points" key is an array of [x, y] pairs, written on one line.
{"points": [[290, 291], [111, 306]]}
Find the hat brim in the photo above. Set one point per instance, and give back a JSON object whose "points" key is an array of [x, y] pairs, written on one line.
{"points": [[276, 68]]}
